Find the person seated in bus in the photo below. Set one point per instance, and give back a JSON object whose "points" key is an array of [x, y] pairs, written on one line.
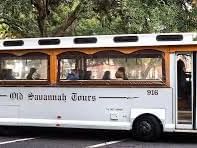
{"points": [[3, 74], [181, 78], [81, 74], [88, 75], [8, 74], [33, 74], [120, 73], [73, 75], [106, 75]]}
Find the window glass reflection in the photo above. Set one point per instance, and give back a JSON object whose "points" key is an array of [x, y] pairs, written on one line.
{"points": [[23, 68]]}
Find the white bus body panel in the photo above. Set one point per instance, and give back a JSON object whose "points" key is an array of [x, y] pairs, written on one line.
{"points": [[102, 41], [97, 108]]}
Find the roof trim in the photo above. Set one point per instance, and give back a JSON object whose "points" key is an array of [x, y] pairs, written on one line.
{"points": [[123, 40]]}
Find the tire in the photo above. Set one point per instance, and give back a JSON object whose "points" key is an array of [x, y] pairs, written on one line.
{"points": [[146, 128]]}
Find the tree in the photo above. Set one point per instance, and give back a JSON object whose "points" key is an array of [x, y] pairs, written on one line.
{"points": [[16, 19], [34, 18]]}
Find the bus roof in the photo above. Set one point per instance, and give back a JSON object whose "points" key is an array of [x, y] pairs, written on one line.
{"points": [[97, 41]]}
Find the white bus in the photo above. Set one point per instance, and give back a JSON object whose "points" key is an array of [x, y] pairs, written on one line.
{"points": [[140, 82]]}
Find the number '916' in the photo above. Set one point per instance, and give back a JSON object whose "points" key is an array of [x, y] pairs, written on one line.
{"points": [[152, 92]]}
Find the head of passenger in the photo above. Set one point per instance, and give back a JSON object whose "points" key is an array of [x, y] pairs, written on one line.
{"points": [[106, 75], [122, 70], [32, 70], [181, 66], [73, 75], [33, 75], [9, 75], [3, 74], [81, 74], [119, 75], [87, 75]]}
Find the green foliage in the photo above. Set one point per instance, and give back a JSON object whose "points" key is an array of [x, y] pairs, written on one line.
{"points": [[23, 18], [18, 16]]}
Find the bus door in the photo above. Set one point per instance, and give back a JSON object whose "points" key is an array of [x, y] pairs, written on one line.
{"points": [[184, 93]]}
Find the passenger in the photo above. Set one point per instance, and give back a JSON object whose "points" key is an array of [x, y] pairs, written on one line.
{"points": [[3, 74], [121, 72], [9, 75], [106, 75], [87, 75], [81, 74], [181, 78], [73, 75], [33, 74], [119, 75]]}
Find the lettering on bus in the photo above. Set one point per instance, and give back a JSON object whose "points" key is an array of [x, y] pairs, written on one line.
{"points": [[16, 96], [76, 97], [61, 97], [152, 92]]}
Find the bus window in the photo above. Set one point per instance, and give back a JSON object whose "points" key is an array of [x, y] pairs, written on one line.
{"points": [[105, 62], [66, 67], [138, 66], [146, 65], [20, 68], [72, 66], [104, 65]]}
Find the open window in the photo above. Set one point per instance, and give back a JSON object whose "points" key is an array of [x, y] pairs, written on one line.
{"points": [[32, 67]]}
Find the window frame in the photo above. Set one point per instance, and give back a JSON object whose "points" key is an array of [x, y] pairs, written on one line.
{"points": [[25, 82]]}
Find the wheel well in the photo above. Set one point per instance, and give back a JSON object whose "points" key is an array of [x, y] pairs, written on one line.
{"points": [[147, 114]]}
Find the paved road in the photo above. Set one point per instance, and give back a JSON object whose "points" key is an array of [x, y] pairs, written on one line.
{"points": [[53, 138]]}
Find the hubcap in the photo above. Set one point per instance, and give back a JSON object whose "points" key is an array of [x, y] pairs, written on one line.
{"points": [[145, 128]]}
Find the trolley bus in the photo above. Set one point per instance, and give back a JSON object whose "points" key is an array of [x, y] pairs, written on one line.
{"points": [[140, 82]]}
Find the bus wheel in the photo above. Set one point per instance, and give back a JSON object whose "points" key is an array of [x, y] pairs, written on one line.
{"points": [[146, 128]]}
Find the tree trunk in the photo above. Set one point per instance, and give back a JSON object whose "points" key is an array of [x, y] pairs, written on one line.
{"points": [[43, 11]]}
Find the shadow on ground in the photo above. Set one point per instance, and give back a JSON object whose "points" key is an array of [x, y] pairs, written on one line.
{"points": [[107, 135]]}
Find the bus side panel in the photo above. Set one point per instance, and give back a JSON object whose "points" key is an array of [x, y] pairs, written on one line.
{"points": [[101, 108]]}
